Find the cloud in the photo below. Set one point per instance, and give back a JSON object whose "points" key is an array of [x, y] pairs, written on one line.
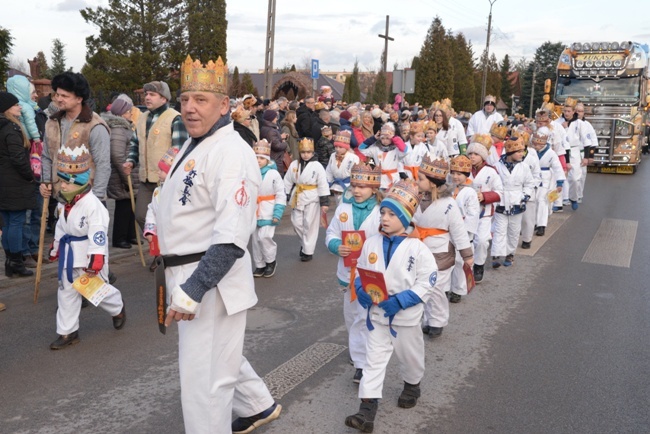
{"points": [[71, 5]]}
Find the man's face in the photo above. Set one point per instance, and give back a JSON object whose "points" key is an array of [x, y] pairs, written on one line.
{"points": [[67, 100], [283, 104], [153, 100], [568, 112], [201, 110], [580, 109], [489, 107], [310, 103]]}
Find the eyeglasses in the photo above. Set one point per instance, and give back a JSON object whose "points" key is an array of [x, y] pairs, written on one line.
{"points": [[437, 116]]}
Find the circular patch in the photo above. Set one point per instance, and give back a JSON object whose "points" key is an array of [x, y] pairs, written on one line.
{"points": [[189, 165], [100, 238], [375, 293], [433, 278], [84, 279], [372, 258], [156, 131], [75, 135], [343, 217]]}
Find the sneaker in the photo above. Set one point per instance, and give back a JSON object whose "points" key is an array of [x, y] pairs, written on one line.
{"points": [[478, 273], [574, 205], [269, 271], [579, 200], [454, 298], [558, 209], [525, 244], [434, 332], [509, 260], [243, 425], [64, 340], [357, 376], [540, 231], [495, 262], [259, 272], [306, 258], [566, 202], [425, 329]]}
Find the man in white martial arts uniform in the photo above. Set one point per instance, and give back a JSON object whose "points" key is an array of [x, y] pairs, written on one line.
{"points": [[589, 153], [482, 120], [206, 215]]}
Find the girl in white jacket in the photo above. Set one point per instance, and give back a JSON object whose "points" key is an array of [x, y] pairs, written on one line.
{"points": [[339, 168]]}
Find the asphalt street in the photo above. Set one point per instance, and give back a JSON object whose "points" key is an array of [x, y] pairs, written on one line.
{"points": [[557, 343]]}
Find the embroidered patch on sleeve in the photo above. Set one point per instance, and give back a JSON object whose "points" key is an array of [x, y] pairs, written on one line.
{"points": [[433, 278], [100, 238], [242, 197]]}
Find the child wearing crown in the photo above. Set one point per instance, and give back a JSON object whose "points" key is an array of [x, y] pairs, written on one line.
{"points": [[305, 184], [410, 274], [437, 148], [532, 161], [499, 133], [358, 211], [271, 201], [518, 187], [81, 245], [439, 224], [387, 151], [340, 165], [417, 149]]}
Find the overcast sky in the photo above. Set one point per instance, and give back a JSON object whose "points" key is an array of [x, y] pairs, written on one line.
{"points": [[339, 31]]}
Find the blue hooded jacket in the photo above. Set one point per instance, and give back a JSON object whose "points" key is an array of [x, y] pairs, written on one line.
{"points": [[21, 88]]}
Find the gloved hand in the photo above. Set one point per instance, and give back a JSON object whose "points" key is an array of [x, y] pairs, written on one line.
{"points": [[95, 264], [401, 300], [391, 306], [403, 175], [54, 254], [362, 296], [526, 198]]}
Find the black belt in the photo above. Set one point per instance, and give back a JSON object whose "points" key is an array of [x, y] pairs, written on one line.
{"points": [[175, 261]]}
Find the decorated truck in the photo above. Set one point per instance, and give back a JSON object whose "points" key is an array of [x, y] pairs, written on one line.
{"points": [[611, 80]]}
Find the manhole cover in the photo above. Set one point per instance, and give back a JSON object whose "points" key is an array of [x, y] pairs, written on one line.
{"points": [[264, 318]]}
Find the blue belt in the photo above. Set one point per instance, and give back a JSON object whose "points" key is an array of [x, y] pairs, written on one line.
{"points": [[343, 182], [545, 168], [69, 259]]}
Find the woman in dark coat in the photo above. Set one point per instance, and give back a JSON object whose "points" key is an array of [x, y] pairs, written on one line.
{"points": [[271, 132], [17, 184], [241, 122]]}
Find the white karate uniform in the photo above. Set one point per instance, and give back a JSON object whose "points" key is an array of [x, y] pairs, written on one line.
{"points": [[305, 216], [413, 159], [507, 228], [455, 137], [576, 139], [529, 219], [390, 162], [550, 172], [438, 150], [411, 267], [442, 214], [353, 313], [487, 179], [271, 193], [87, 218], [479, 123], [592, 140], [209, 198], [470, 209], [338, 175]]}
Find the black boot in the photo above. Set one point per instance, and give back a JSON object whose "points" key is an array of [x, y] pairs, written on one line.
{"points": [[540, 231], [478, 273], [364, 420], [8, 272], [17, 266], [409, 396]]}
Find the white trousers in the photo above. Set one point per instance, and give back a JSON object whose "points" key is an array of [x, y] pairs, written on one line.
{"points": [[69, 300], [506, 234], [355, 323], [529, 218], [458, 280], [264, 248], [543, 207], [409, 348], [306, 223], [436, 310], [574, 176], [482, 240], [216, 379], [581, 184]]}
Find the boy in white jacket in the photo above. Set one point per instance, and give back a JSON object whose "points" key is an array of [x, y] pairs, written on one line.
{"points": [[340, 165], [418, 150]]}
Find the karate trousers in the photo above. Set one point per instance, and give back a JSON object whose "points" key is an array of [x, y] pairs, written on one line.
{"points": [[458, 280], [264, 248], [436, 309], [529, 219], [355, 323], [543, 207], [506, 233], [306, 223], [482, 240], [574, 176]]}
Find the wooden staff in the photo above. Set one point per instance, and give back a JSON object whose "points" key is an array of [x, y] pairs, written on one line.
{"points": [[41, 241], [137, 228]]}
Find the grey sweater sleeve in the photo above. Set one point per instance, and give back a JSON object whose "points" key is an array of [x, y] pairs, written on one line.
{"points": [[100, 149], [216, 263]]}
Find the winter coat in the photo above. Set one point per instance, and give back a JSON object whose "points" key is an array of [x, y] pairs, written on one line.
{"points": [[305, 117], [18, 188], [121, 133], [316, 126], [271, 133], [20, 87], [245, 133], [292, 139], [324, 148]]}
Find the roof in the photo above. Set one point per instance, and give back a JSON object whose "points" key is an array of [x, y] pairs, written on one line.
{"points": [[337, 88]]}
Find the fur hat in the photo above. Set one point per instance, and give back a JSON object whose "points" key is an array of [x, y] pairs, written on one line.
{"points": [[160, 87], [7, 101], [376, 113], [403, 199], [478, 149], [72, 82]]}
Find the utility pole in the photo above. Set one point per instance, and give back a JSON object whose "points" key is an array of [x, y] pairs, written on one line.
{"points": [[487, 53], [268, 56], [386, 39], [532, 91]]}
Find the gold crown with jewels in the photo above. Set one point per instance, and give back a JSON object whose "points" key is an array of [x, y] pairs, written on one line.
{"points": [[461, 164], [514, 145], [434, 168], [499, 130], [483, 139], [365, 175], [525, 135], [213, 77], [306, 145]]}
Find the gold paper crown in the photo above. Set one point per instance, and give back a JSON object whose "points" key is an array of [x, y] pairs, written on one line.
{"points": [[525, 135], [446, 102], [365, 175], [514, 145], [240, 114], [73, 161], [483, 139], [319, 106], [499, 130], [434, 168], [262, 148], [461, 164], [342, 137], [489, 98], [213, 77], [306, 145], [435, 106], [570, 102], [539, 138], [431, 125], [406, 194], [417, 127]]}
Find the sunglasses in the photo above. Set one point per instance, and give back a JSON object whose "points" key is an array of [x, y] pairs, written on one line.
{"points": [[489, 103]]}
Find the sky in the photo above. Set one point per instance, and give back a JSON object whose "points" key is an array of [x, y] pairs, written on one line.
{"points": [[336, 32]]}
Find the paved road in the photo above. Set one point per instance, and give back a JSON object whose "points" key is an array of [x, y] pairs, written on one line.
{"points": [[555, 344]]}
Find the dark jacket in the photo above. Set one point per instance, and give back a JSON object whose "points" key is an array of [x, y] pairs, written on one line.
{"points": [[121, 132], [303, 124], [245, 133], [346, 126], [316, 126], [271, 133], [18, 188], [324, 148]]}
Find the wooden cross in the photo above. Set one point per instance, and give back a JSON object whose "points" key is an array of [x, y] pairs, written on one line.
{"points": [[386, 39]]}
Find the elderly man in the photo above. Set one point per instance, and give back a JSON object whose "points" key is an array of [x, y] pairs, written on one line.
{"points": [[482, 120], [205, 217], [158, 129]]}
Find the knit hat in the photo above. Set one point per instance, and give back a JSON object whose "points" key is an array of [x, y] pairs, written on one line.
{"points": [[160, 87], [121, 105], [346, 115], [167, 159], [405, 115], [376, 113], [437, 169], [73, 165], [461, 164], [262, 149], [342, 139], [364, 175], [388, 129], [7, 101], [478, 149], [269, 115], [403, 200]]}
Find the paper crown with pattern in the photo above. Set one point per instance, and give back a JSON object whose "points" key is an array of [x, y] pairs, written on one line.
{"points": [[342, 139], [240, 114], [437, 169], [213, 77], [167, 159], [365, 175], [319, 106], [262, 149], [389, 129], [525, 135], [73, 160], [514, 145], [405, 194], [483, 139], [489, 98], [306, 145], [570, 102], [499, 130], [416, 127], [460, 164], [431, 125], [539, 138]]}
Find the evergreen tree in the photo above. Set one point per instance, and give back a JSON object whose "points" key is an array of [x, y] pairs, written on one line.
{"points": [[493, 82], [545, 61], [207, 26], [352, 88], [293, 68], [346, 88], [434, 77], [235, 84], [43, 70], [6, 43], [463, 59], [58, 58], [248, 86], [380, 89], [506, 86]]}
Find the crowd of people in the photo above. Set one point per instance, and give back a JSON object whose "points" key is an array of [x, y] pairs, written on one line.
{"points": [[419, 199]]}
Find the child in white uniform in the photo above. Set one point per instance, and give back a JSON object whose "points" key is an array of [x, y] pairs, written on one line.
{"points": [[437, 148], [358, 211], [81, 245], [340, 165], [551, 176], [419, 149], [305, 184], [410, 275], [387, 151]]}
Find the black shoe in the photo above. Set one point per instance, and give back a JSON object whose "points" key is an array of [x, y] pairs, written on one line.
{"points": [[134, 241], [454, 298], [409, 396], [301, 253], [119, 320], [306, 258], [509, 260], [243, 425], [434, 332], [269, 271], [17, 266], [64, 340], [122, 245], [357, 376], [425, 329], [112, 278], [29, 261], [153, 265], [525, 244], [540, 231], [364, 420], [478, 273], [495, 262], [259, 272]]}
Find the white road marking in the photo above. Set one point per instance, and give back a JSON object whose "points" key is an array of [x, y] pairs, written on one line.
{"points": [[613, 243]]}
